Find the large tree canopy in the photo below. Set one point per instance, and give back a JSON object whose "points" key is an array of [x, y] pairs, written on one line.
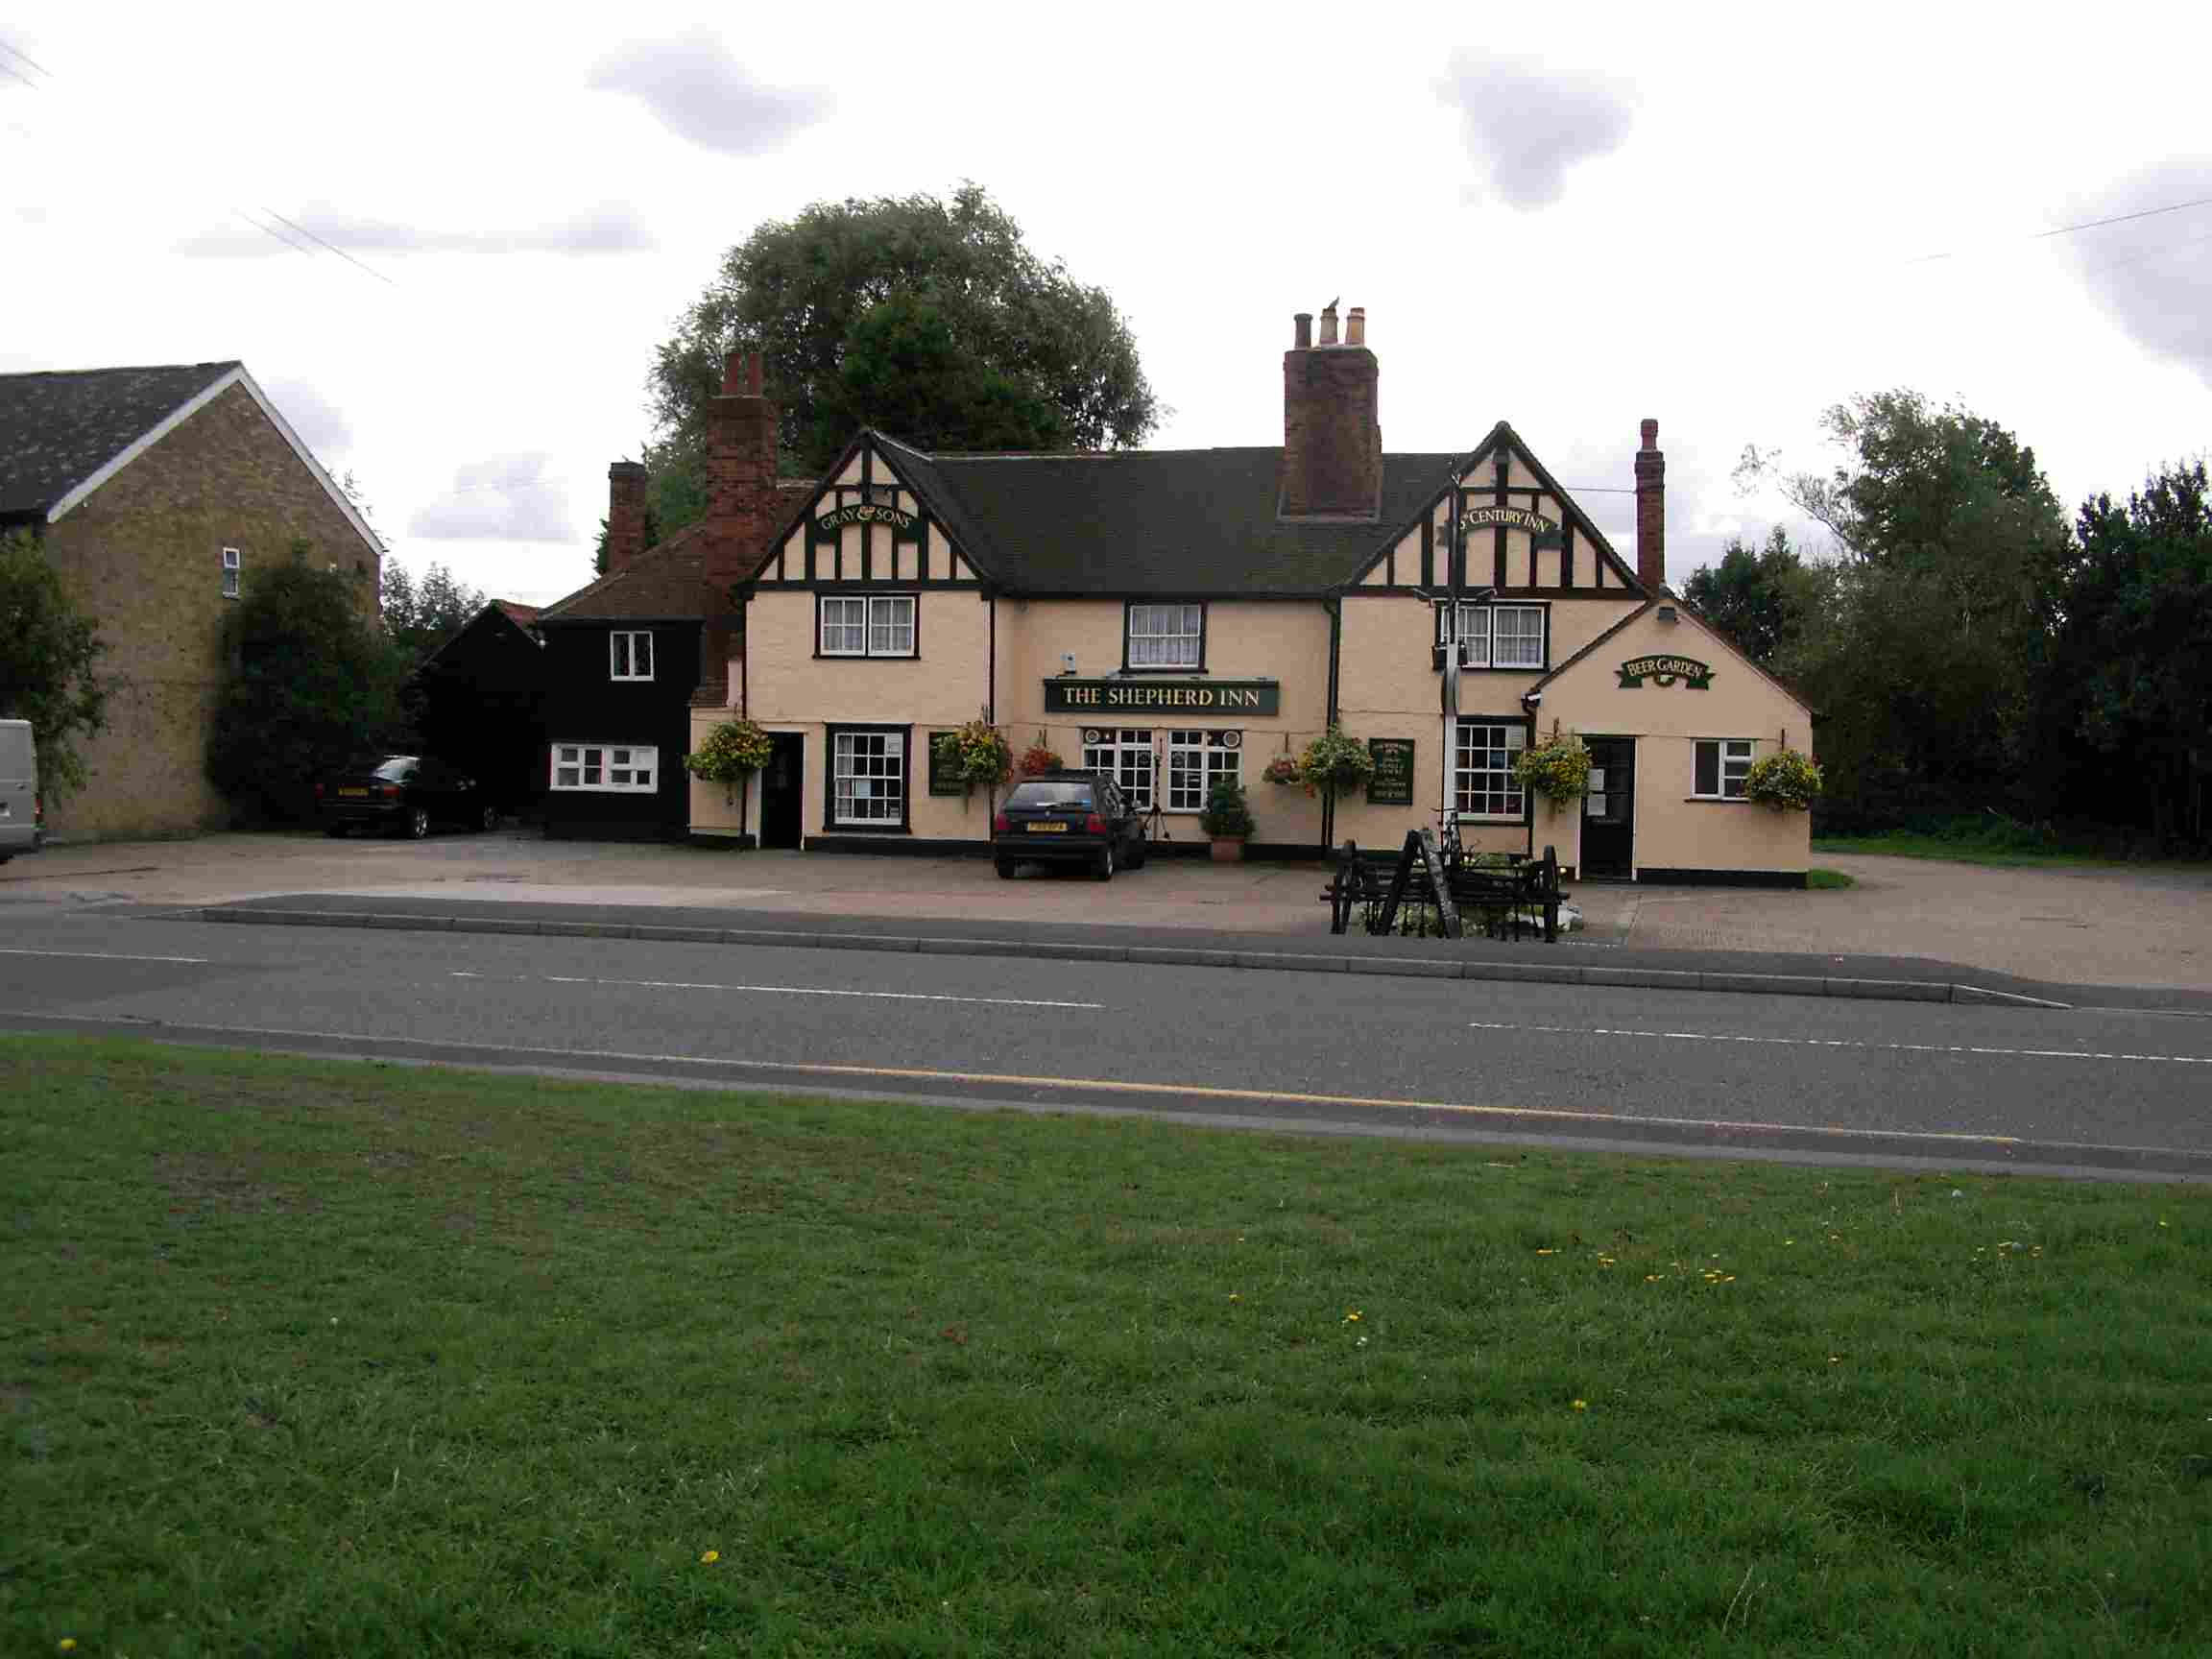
{"points": [[930, 319], [49, 659], [1759, 599], [421, 615]]}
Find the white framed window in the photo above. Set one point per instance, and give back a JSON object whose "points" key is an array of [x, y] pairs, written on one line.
{"points": [[1166, 637], [1124, 754], [1482, 757], [1195, 759], [867, 625], [610, 768], [1721, 767], [630, 654], [1496, 636], [230, 572], [868, 778]]}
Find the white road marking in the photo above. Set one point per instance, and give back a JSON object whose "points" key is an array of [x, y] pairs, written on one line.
{"points": [[781, 990], [152, 1033], [101, 955], [1850, 1043]]}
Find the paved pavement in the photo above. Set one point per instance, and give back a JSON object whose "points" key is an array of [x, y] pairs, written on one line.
{"points": [[2146, 928]]}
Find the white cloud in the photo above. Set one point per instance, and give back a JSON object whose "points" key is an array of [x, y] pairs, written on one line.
{"points": [[501, 498], [320, 425], [697, 91], [2151, 275], [1525, 125], [606, 229]]}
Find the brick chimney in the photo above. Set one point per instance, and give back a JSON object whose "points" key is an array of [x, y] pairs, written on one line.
{"points": [[742, 506], [625, 514], [1331, 436], [1651, 512]]}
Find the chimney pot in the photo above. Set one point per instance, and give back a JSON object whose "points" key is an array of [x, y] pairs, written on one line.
{"points": [[1304, 337], [1651, 434], [732, 373], [1329, 323], [1356, 326], [752, 376], [625, 514]]}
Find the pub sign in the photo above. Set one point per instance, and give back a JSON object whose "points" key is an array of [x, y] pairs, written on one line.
{"points": [[1065, 694]]}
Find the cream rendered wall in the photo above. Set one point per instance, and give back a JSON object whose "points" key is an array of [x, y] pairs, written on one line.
{"points": [[791, 689], [1387, 687], [1287, 640], [1673, 831]]}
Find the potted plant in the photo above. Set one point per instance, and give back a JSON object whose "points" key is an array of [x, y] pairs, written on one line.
{"points": [[1558, 770], [1039, 758], [1783, 780], [1336, 762], [1227, 820], [1283, 769]]}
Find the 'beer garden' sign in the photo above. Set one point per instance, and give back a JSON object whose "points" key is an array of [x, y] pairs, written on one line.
{"points": [[1665, 671]]}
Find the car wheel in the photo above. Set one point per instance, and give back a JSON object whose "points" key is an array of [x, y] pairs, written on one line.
{"points": [[488, 819], [1140, 850], [1005, 868], [418, 823], [1104, 869]]}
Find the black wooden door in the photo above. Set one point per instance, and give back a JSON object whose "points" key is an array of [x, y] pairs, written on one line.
{"points": [[1609, 810], [782, 789]]}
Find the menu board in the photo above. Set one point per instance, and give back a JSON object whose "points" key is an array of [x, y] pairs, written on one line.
{"points": [[945, 777], [1392, 784]]}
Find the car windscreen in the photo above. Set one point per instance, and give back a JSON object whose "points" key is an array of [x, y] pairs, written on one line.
{"points": [[1042, 793], [393, 768]]}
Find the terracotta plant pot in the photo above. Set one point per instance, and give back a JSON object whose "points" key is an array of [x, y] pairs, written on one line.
{"points": [[1228, 849]]}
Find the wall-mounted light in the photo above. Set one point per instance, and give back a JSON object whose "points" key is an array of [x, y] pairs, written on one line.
{"points": [[1067, 661]]}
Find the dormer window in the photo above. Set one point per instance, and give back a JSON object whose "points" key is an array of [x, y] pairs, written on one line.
{"points": [[1165, 636]]}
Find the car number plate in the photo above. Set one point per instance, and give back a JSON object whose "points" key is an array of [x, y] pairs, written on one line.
{"points": [[1048, 827], [354, 792]]}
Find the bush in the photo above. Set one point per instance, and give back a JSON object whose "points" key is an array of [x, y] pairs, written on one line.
{"points": [[1227, 816]]}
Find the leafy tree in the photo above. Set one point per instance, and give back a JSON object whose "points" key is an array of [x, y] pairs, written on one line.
{"points": [[422, 616], [1759, 599], [313, 683], [929, 318], [2131, 664], [49, 662], [1925, 647]]}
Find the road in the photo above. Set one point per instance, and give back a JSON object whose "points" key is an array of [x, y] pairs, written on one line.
{"points": [[2090, 1091]]}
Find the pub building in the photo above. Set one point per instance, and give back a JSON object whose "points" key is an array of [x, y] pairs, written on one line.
{"points": [[1173, 617]]}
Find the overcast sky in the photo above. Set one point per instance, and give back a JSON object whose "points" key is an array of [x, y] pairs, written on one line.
{"points": [[1569, 217]]}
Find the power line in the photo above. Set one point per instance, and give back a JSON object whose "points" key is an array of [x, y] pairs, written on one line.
{"points": [[11, 69], [18, 52], [340, 251], [2086, 225]]}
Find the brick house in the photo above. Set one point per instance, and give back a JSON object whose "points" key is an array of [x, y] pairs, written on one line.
{"points": [[155, 492], [628, 656]]}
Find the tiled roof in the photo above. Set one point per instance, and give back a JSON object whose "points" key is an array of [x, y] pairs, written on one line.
{"points": [[59, 428], [663, 583], [1157, 521], [521, 614]]}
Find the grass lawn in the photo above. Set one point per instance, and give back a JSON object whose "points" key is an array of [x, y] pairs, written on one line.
{"points": [[1909, 844], [307, 1358], [1828, 881]]}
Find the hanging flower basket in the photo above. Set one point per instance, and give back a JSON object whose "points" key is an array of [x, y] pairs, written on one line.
{"points": [[1785, 781], [1283, 770], [734, 750], [1336, 762], [1038, 759], [984, 755], [1559, 770]]}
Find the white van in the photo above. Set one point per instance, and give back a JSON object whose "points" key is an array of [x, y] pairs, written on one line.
{"points": [[20, 828]]}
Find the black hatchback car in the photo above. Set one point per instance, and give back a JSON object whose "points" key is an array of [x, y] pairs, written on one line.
{"points": [[402, 794], [1067, 818]]}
